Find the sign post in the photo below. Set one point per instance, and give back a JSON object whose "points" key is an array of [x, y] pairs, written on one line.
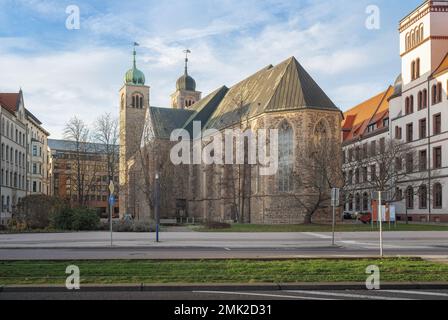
{"points": [[334, 204], [111, 206], [380, 219]]}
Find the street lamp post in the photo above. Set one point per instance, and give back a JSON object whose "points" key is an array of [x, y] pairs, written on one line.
{"points": [[157, 205], [111, 205]]}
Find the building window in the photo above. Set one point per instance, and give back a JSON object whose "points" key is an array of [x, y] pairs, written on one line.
{"points": [[398, 164], [424, 99], [382, 145], [373, 173], [423, 160], [410, 198], [409, 132], [437, 157], [358, 202], [417, 68], [438, 196], [350, 202], [409, 163], [398, 133], [365, 174], [437, 124], [373, 148], [422, 128], [420, 100], [437, 93], [365, 202], [423, 197], [286, 161]]}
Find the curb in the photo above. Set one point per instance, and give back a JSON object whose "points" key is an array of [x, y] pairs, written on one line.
{"points": [[228, 287]]}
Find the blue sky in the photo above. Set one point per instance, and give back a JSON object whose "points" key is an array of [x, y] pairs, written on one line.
{"points": [[79, 72]]}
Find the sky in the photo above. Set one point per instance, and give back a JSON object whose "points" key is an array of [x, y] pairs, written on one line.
{"points": [[66, 72]]}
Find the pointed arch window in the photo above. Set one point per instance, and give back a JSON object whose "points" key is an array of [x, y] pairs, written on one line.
{"points": [[286, 158]]}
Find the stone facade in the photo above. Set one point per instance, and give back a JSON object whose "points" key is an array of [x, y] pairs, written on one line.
{"points": [[207, 192]]}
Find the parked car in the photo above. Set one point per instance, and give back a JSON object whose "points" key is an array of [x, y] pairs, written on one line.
{"points": [[348, 215], [365, 217]]}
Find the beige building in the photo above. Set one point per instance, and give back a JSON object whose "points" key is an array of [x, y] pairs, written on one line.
{"points": [[282, 97], [24, 154]]}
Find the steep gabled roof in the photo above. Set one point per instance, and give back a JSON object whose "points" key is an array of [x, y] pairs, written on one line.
{"points": [[286, 86], [443, 67], [204, 108], [164, 120], [10, 101], [357, 119]]}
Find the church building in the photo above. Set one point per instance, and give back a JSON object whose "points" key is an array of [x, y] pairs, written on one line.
{"points": [[283, 97]]}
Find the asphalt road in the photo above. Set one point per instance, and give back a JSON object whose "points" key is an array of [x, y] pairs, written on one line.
{"points": [[232, 295], [198, 245]]}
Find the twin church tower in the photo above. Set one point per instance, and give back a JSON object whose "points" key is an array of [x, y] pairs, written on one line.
{"points": [[134, 103]]}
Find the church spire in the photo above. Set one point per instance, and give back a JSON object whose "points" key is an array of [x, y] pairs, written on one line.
{"points": [[186, 51], [134, 76]]}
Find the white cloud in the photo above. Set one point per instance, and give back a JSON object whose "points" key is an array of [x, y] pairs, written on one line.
{"points": [[230, 40], [58, 86]]}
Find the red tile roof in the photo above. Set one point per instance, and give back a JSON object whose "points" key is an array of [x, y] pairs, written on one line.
{"points": [[9, 101], [443, 67], [373, 110]]}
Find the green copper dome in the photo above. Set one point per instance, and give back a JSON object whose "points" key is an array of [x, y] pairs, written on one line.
{"points": [[134, 76]]}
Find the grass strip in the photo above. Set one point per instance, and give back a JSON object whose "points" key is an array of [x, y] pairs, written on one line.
{"points": [[221, 271]]}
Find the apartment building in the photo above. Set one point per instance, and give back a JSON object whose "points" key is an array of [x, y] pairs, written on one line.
{"points": [[417, 117], [13, 141], [88, 186]]}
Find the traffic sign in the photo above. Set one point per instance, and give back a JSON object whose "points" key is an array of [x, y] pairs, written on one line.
{"points": [[111, 200], [111, 187], [335, 197]]}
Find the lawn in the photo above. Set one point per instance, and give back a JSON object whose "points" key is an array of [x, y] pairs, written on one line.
{"points": [[220, 271], [324, 228]]}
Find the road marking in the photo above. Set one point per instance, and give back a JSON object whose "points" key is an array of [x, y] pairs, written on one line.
{"points": [[423, 293], [317, 235], [347, 295], [227, 249], [261, 295]]}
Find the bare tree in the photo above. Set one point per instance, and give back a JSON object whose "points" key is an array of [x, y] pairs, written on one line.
{"points": [[106, 135], [316, 175], [150, 158], [77, 133], [237, 178], [385, 168]]}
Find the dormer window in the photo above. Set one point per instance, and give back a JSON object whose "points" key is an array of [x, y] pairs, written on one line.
{"points": [[386, 122], [371, 128]]}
